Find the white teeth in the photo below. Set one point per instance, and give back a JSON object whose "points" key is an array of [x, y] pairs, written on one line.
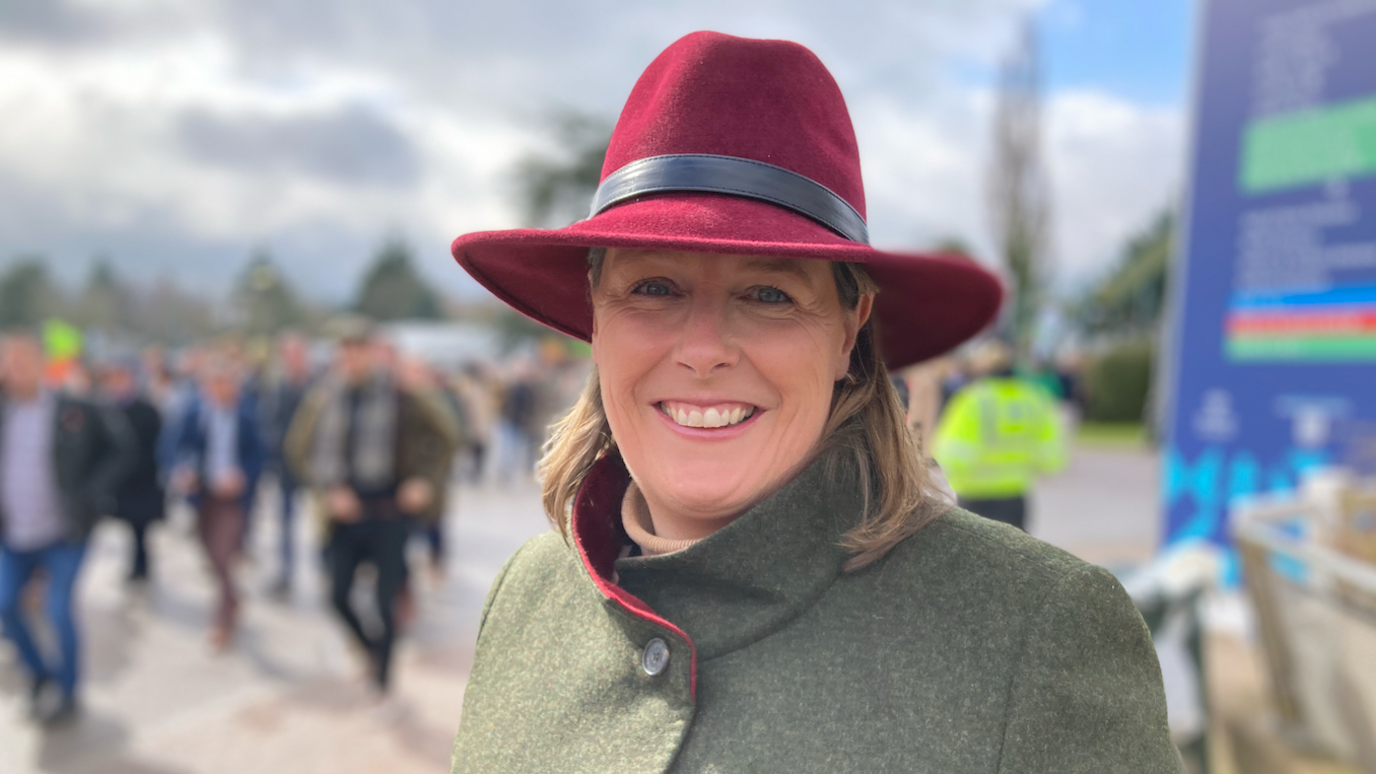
{"points": [[710, 418]]}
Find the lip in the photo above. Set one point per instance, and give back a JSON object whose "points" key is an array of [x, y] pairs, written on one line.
{"points": [[703, 433], [704, 401]]}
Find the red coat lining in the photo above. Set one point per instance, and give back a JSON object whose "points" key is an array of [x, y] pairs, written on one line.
{"points": [[596, 528]]}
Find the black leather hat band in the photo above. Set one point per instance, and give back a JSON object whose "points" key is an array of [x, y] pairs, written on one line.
{"points": [[707, 173]]}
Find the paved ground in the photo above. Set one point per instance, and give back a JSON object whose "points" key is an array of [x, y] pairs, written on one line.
{"points": [[289, 698], [1103, 507]]}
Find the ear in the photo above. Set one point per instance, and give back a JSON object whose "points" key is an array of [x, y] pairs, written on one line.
{"points": [[855, 319]]}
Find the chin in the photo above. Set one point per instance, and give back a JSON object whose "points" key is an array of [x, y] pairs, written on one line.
{"points": [[707, 487]]}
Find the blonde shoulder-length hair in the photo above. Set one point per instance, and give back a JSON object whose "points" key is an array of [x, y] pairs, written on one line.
{"points": [[866, 418]]}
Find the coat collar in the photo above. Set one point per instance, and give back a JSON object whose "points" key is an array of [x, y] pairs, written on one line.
{"points": [[741, 584]]}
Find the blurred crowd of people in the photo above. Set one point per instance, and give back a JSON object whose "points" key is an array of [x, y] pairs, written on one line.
{"points": [[375, 437]]}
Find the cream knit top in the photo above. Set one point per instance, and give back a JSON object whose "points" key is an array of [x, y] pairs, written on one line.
{"points": [[635, 519]]}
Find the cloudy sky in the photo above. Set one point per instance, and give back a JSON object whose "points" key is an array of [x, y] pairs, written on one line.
{"points": [[175, 136]]}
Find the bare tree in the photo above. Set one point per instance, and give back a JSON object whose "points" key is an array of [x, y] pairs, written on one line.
{"points": [[1019, 201], [168, 314]]}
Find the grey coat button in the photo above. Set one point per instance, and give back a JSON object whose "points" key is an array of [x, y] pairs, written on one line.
{"points": [[655, 658]]}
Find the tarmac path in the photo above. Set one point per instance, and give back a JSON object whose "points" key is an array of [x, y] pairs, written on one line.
{"points": [[289, 695]]}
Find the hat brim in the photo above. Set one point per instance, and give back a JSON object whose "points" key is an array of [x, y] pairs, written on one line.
{"points": [[927, 304]]}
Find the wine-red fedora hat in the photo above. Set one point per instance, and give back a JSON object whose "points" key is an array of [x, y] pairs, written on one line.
{"points": [[735, 146]]}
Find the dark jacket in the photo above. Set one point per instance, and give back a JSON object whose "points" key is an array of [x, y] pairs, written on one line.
{"points": [[278, 402], [192, 440], [140, 498], [970, 647], [93, 450], [427, 434], [183, 402]]}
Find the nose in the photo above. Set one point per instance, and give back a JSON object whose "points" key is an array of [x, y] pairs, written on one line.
{"points": [[704, 346]]}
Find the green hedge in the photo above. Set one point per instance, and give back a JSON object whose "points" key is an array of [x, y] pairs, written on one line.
{"points": [[1119, 380]]}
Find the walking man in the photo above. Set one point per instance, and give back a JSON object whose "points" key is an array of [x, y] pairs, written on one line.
{"points": [[61, 460], [368, 448], [219, 457]]}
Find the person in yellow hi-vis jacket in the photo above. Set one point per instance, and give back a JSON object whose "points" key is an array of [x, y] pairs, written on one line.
{"points": [[996, 436]]}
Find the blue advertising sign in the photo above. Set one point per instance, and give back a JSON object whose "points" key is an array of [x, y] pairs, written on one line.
{"points": [[1274, 327]]}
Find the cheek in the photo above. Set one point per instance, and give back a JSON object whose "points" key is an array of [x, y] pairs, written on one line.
{"points": [[806, 389], [618, 378], [800, 366], [625, 355]]}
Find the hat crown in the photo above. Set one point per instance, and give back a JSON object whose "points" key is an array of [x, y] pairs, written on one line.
{"points": [[765, 100]]}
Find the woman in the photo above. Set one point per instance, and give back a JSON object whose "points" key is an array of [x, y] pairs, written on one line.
{"points": [[751, 574]]}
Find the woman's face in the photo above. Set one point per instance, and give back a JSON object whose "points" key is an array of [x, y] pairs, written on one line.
{"points": [[717, 374]]}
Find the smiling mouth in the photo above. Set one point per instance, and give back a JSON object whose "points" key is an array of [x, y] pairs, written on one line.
{"points": [[723, 415]]}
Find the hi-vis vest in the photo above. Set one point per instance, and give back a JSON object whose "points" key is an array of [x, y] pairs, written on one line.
{"points": [[996, 436]]}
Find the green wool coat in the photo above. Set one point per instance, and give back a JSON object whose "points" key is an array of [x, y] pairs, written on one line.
{"points": [[970, 647]]}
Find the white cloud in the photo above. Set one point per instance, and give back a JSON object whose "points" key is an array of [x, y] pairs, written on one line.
{"points": [[163, 132], [924, 169], [1114, 165]]}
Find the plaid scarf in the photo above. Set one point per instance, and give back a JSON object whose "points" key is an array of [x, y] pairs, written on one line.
{"points": [[374, 438]]}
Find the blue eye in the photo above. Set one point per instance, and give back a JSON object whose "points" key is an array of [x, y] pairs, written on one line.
{"points": [[654, 288], [770, 295]]}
